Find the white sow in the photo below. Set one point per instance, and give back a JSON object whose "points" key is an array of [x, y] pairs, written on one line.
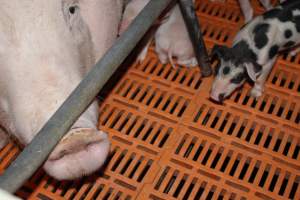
{"points": [[46, 47]]}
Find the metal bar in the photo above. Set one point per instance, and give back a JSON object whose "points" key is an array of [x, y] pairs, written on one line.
{"points": [[193, 26], [37, 151]]}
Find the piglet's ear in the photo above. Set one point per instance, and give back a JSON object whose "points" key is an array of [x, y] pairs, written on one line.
{"points": [[219, 51], [253, 70]]}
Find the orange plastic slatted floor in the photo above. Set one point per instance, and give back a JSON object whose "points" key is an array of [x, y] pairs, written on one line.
{"points": [[170, 142]]}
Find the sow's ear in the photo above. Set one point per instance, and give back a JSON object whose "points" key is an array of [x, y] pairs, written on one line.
{"points": [[253, 70], [221, 52], [102, 19]]}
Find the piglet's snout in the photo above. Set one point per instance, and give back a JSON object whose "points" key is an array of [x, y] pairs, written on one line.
{"points": [[80, 152], [214, 96], [218, 97], [217, 92]]}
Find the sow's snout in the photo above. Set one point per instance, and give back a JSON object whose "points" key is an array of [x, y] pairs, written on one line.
{"points": [[81, 152]]}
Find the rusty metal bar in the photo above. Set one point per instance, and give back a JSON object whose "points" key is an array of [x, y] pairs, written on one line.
{"points": [[194, 29]]}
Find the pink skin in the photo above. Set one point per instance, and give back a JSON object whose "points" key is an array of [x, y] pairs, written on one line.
{"points": [[132, 9], [171, 31], [216, 90], [80, 143], [123, 26], [172, 40], [44, 52]]}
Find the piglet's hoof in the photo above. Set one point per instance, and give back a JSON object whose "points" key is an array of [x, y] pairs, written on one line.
{"points": [[256, 92], [81, 152], [192, 62]]}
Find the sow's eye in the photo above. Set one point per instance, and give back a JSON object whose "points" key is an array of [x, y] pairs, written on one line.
{"points": [[73, 9]]}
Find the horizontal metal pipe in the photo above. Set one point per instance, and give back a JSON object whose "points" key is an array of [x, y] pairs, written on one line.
{"points": [[194, 29], [38, 150]]}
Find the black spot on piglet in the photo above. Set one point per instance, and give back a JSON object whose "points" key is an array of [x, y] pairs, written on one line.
{"points": [[226, 70], [242, 50], [289, 44], [273, 51], [282, 15], [257, 67], [288, 33], [297, 22], [272, 13], [237, 79], [260, 35]]}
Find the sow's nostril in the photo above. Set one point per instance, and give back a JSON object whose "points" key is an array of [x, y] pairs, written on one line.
{"points": [[78, 141], [81, 152], [221, 97]]}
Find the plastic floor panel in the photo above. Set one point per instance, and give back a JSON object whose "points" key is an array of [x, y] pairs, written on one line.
{"points": [[170, 142]]}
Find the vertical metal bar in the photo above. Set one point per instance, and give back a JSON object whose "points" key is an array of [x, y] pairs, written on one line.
{"points": [[44, 142], [193, 26]]}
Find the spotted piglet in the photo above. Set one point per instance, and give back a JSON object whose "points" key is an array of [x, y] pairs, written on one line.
{"points": [[255, 49]]}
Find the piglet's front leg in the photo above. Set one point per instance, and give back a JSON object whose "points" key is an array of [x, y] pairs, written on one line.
{"points": [[246, 9], [266, 4], [258, 88]]}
